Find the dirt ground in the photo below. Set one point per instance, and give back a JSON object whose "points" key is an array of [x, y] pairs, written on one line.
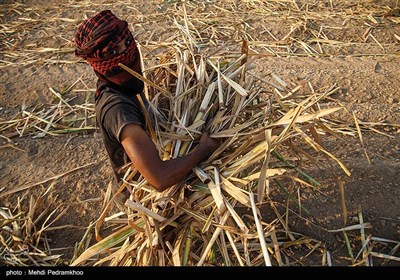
{"points": [[358, 52]]}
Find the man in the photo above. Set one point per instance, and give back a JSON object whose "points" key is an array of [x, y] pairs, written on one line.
{"points": [[103, 41]]}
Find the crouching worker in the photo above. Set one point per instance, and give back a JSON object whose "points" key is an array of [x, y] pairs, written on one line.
{"points": [[104, 41]]}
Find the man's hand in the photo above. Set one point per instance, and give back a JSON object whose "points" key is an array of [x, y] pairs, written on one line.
{"points": [[207, 145]]}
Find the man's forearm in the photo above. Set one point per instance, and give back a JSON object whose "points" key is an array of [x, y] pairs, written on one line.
{"points": [[174, 170]]}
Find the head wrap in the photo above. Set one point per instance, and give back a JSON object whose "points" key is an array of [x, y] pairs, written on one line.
{"points": [[99, 34]]}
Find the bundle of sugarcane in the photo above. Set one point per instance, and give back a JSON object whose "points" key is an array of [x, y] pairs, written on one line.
{"points": [[196, 222]]}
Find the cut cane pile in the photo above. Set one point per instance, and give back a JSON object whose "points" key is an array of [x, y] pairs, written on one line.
{"points": [[213, 217]]}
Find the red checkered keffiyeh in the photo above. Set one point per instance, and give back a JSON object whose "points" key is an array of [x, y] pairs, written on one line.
{"points": [[99, 34]]}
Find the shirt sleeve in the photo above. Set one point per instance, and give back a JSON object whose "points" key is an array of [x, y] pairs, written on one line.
{"points": [[120, 113]]}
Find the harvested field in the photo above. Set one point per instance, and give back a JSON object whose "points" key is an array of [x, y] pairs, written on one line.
{"points": [[314, 84]]}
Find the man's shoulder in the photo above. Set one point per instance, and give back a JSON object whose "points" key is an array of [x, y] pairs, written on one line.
{"points": [[109, 93], [110, 97]]}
